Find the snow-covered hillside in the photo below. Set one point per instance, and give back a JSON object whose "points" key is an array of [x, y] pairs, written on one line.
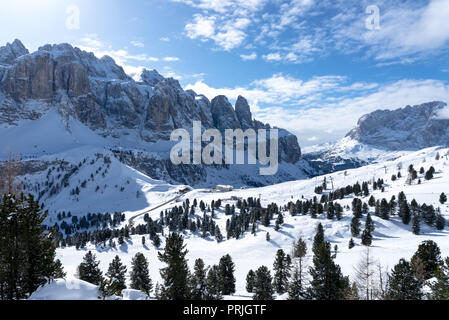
{"points": [[392, 239]]}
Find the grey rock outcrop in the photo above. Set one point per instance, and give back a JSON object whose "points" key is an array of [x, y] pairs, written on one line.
{"points": [[223, 114], [98, 93], [412, 127], [243, 113], [12, 51]]}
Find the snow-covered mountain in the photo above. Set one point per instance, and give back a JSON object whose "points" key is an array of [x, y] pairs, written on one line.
{"points": [[383, 135], [61, 98], [392, 239], [93, 140]]}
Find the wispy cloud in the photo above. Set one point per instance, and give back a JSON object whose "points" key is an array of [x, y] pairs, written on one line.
{"points": [[409, 30], [272, 57], [138, 44], [224, 22], [131, 63], [251, 56], [325, 108], [171, 59]]}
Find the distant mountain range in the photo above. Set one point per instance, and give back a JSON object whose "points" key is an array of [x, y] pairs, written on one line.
{"points": [[383, 135], [60, 98]]}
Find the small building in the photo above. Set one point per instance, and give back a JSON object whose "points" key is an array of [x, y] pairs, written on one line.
{"points": [[223, 188]]}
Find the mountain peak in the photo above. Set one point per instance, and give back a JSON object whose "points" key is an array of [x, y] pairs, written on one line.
{"points": [[411, 127], [243, 112], [11, 51], [151, 77]]}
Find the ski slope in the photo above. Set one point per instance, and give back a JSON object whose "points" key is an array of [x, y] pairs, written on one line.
{"points": [[392, 239]]}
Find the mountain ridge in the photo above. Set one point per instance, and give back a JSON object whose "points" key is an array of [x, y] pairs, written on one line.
{"points": [[384, 135], [129, 114]]}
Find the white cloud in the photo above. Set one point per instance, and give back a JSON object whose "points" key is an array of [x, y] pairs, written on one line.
{"points": [[132, 63], [138, 44], [409, 31], [291, 11], [315, 108], [165, 39], [92, 40], [342, 115], [220, 6], [225, 6], [228, 35], [272, 57], [202, 27], [278, 89], [171, 59], [230, 38], [443, 114], [223, 21], [251, 56]]}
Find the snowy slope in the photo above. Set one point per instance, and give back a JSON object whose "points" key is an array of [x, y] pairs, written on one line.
{"points": [[104, 184], [392, 239], [66, 289]]}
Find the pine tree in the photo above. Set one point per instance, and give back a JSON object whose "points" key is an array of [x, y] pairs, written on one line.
{"points": [[404, 212], [403, 285], [263, 288], [440, 222], [281, 269], [327, 282], [357, 208], [330, 211], [372, 201], [27, 249], [384, 209], [369, 224], [295, 289], [213, 284], [89, 271], [440, 287], [319, 237], [429, 175], [199, 280], [175, 274], [226, 273], [296, 281], [116, 277], [416, 229], [355, 227], [367, 238], [218, 235], [430, 255], [443, 198], [156, 241], [59, 270], [351, 243], [338, 211], [140, 278], [250, 281]]}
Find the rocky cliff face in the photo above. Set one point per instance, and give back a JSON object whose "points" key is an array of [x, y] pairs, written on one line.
{"points": [[384, 135], [412, 127], [98, 93], [10, 52]]}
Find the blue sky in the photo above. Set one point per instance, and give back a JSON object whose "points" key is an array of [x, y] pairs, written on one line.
{"points": [[313, 67]]}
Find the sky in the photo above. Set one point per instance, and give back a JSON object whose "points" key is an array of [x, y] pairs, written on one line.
{"points": [[313, 67]]}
